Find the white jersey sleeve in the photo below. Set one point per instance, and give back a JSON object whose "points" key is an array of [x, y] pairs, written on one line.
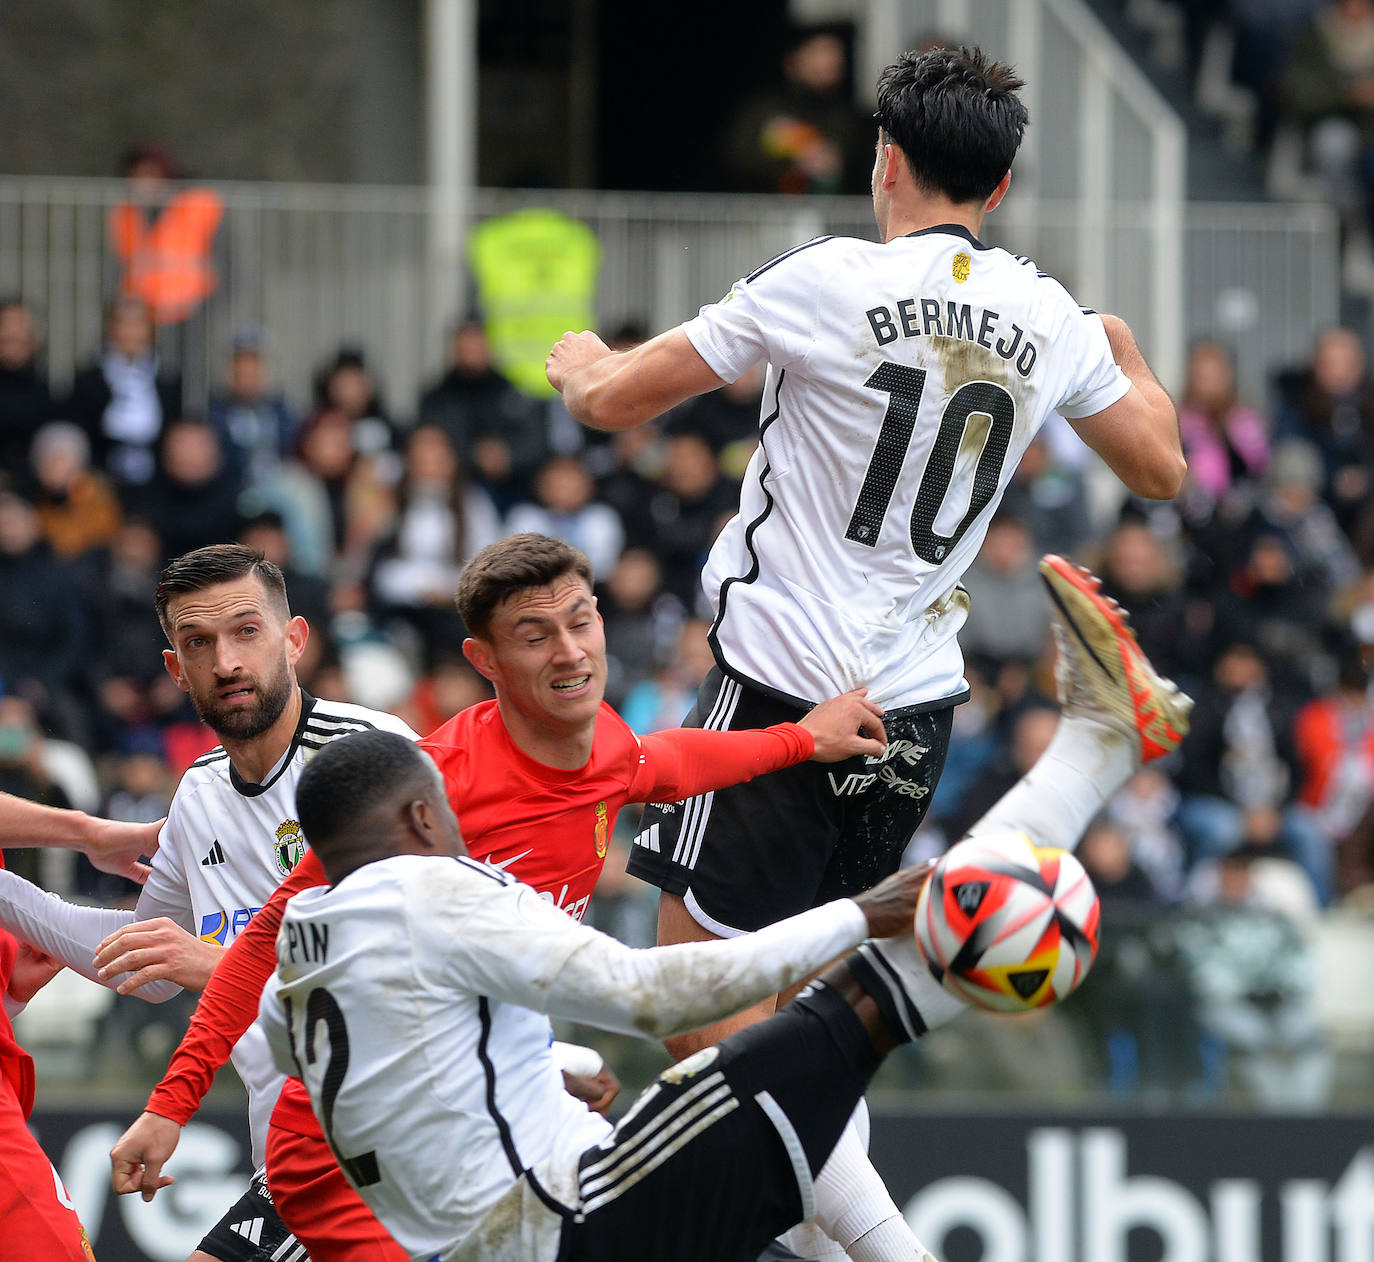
{"points": [[766, 315], [1098, 381], [516, 946]]}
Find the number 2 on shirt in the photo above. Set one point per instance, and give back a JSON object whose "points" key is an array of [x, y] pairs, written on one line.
{"points": [[904, 386], [320, 1005]]}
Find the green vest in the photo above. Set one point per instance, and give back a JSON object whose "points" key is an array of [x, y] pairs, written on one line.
{"points": [[536, 279]]}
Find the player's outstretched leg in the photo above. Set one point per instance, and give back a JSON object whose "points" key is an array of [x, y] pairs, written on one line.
{"points": [[1116, 714]]}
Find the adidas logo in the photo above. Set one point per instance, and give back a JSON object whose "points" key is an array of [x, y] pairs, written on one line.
{"points": [[251, 1228], [213, 858]]}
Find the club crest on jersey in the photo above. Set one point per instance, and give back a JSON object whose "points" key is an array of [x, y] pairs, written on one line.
{"points": [[289, 848], [961, 268], [602, 828], [690, 1067]]}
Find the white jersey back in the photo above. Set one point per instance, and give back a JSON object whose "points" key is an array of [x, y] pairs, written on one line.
{"points": [[435, 1096], [905, 381], [228, 844]]}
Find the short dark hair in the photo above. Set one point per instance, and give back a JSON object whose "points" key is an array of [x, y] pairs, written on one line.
{"points": [[219, 563], [352, 776], [509, 566], [955, 114]]}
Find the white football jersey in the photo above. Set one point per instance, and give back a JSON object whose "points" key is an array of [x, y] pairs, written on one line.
{"points": [[228, 844], [409, 998], [905, 381]]}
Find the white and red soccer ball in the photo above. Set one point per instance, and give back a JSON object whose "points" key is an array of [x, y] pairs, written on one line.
{"points": [[1007, 925]]}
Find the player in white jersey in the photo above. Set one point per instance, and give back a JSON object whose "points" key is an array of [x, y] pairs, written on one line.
{"points": [[231, 834], [905, 379], [411, 997]]}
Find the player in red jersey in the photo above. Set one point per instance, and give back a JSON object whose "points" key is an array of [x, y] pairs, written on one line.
{"points": [[537, 778], [36, 1215]]}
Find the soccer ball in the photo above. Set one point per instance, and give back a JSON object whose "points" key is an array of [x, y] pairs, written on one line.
{"points": [[1007, 925]]}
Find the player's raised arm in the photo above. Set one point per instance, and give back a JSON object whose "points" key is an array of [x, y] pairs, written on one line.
{"points": [[1137, 435], [616, 390], [111, 845]]}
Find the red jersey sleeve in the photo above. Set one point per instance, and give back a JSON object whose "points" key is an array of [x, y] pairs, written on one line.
{"points": [[685, 761], [230, 1002]]}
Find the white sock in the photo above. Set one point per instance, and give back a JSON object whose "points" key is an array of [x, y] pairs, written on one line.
{"points": [[812, 1243], [1053, 803], [808, 1239], [890, 1239], [855, 1209]]}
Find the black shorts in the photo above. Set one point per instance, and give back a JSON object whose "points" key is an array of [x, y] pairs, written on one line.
{"points": [[749, 855], [718, 1156], [252, 1232]]}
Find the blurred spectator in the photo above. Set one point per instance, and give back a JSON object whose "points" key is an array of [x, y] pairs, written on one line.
{"points": [[1105, 852], [193, 499], [164, 235], [1029, 731], [256, 428], [1252, 972], [452, 685], [728, 419], [1144, 811], [123, 400], [1266, 603], [973, 744], [1047, 493], [1331, 403], [1290, 505], [1334, 740], [1009, 613], [133, 690], [498, 433], [643, 621], [805, 136], [536, 272], [564, 506], [357, 501], [23, 774], [140, 791], [25, 402], [1136, 1003], [345, 385], [685, 512], [663, 700], [1225, 441], [77, 508], [440, 522], [1329, 93], [1137, 571], [43, 629], [1241, 759]]}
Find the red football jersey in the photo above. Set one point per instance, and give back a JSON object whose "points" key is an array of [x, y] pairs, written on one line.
{"points": [[506, 802]]}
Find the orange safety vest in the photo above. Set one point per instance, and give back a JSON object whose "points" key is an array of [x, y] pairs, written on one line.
{"points": [[167, 262]]}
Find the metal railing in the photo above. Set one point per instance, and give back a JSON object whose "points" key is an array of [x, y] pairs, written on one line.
{"points": [[321, 265]]}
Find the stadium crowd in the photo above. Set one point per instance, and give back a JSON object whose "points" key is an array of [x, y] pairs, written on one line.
{"points": [[1255, 589]]}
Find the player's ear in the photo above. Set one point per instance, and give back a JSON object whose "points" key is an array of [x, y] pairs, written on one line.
{"points": [[998, 193], [173, 664], [297, 633], [479, 653]]}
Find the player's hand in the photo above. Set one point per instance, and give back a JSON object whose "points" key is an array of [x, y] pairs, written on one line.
{"points": [[571, 352], [891, 904], [136, 1161], [33, 969], [117, 847], [596, 1091], [154, 951], [846, 725]]}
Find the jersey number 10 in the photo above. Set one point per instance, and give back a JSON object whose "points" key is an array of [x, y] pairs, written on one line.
{"points": [[904, 386]]}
